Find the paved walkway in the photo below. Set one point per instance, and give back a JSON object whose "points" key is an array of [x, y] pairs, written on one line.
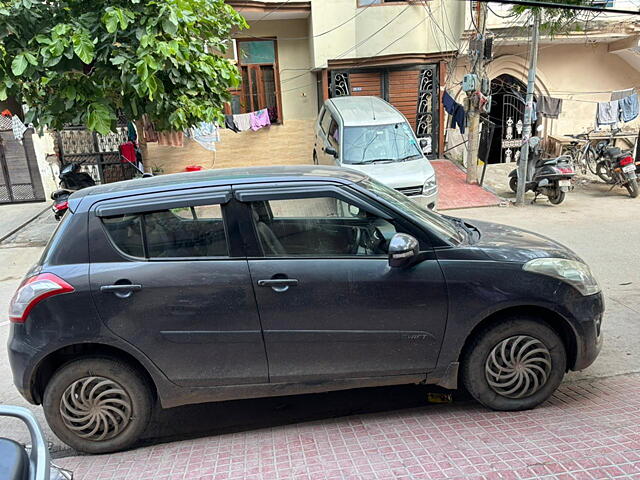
{"points": [[454, 192], [14, 215], [587, 430]]}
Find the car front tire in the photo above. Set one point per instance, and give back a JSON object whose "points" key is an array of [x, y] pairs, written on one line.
{"points": [[514, 365], [98, 405]]}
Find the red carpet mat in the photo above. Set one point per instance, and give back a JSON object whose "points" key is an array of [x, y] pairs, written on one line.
{"points": [[454, 192]]}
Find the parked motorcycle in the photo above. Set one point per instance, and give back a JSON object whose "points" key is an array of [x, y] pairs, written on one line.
{"points": [[19, 462], [550, 177], [71, 180], [618, 168]]}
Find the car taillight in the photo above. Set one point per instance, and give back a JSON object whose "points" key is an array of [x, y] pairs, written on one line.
{"points": [[34, 290], [61, 206], [626, 161]]}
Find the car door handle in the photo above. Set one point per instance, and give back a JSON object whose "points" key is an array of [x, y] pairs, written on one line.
{"points": [[120, 288], [278, 282]]}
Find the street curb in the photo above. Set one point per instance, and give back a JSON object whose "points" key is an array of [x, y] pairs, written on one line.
{"points": [[20, 227]]}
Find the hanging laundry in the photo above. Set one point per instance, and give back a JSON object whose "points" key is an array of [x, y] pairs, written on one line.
{"points": [[228, 123], [18, 128], [149, 130], [629, 108], [6, 113], [455, 110], [132, 133], [620, 94], [273, 114], [128, 153], [5, 123], [206, 134], [549, 107], [607, 113], [259, 119], [171, 139], [242, 121]]}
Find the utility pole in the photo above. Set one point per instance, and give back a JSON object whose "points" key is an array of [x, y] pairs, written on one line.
{"points": [[526, 131], [473, 115]]}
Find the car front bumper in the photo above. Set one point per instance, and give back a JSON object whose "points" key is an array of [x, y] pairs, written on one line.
{"points": [[428, 201], [588, 315]]}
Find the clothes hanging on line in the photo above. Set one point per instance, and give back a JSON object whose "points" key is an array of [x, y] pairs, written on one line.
{"points": [[132, 133], [629, 108], [620, 94], [228, 123], [171, 139], [149, 130], [259, 119], [455, 111], [206, 134], [242, 121], [607, 113], [128, 153], [549, 107], [18, 128]]}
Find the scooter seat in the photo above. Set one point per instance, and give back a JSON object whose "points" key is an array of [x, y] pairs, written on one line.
{"points": [[613, 152], [60, 193]]}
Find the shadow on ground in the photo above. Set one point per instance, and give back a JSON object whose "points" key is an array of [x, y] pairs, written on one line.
{"points": [[218, 418]]}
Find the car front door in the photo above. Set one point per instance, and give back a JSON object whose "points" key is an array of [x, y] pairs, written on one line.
{"points": [[330, 305], [167, 276]]}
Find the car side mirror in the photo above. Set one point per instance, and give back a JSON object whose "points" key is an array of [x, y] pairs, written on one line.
{"points": [[402, 250], [331, 151]]}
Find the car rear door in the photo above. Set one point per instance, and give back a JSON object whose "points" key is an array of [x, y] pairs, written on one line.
{"points": [[168, 275], [330, 310]]}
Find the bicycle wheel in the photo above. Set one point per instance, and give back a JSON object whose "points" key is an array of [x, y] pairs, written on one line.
{"points": [[592, 160]]}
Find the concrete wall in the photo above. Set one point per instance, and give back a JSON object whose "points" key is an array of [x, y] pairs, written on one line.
{"points": [[384, 29]]}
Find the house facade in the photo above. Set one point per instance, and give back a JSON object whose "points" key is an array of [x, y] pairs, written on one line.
{"points": [[297, 54], [582, 65]]}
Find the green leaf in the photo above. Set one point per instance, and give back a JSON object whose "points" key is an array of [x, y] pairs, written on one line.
{"points": [[3, 93], [19, 64], [69, 92], [43, 39], [83, 47], [99, 118], [170, 25], [118, 60], [31, 58], [110, 21], [5, 12]]}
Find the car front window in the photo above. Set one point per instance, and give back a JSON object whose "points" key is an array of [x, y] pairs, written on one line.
{"points": [[379, 143], [425, 217]]}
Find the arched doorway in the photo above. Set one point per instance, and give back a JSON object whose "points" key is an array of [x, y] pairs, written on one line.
{"points": [[507, 113]]}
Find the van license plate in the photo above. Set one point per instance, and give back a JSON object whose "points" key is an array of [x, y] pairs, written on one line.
{"points": [[629, 168], [564, 183]]}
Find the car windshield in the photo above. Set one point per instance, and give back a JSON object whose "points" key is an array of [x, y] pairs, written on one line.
{"points": [[427, 218], [379, 143]]}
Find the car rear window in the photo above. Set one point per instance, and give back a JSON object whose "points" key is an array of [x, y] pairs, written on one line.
{"points": [[174, 233]]}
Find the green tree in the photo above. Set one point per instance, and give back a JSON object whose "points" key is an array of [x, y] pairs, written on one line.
{"points": [[83, 61], [557, 21]]}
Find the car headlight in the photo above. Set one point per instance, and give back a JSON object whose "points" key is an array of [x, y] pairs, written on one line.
{"points": [[575, 273], [430, 186]]}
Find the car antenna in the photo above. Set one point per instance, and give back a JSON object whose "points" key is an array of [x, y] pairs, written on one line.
{"points": [[373, 110]]}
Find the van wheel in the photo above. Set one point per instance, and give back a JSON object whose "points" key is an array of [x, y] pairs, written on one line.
{"points": [[513, 184], [97, 405], [514, 365]]}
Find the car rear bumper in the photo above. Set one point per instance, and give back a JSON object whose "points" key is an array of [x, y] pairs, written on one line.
{"points": [[21, 357]]}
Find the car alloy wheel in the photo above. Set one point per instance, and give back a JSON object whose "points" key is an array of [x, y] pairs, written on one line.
{"points": [[95, 408], [518, 366]]}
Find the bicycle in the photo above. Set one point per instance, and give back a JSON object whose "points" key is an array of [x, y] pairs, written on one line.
{"points": [[583, 157]]}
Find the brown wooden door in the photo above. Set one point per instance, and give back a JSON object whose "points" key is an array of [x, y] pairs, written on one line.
{"points": [[368, 83], [403, 93]]}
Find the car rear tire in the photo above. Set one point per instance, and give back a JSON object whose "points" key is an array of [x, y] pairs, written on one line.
{"points": [[514, 365], [97, 405]]}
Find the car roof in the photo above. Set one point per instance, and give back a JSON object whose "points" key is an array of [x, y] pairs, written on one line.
{"points": [[365, 110], [220, 177]]}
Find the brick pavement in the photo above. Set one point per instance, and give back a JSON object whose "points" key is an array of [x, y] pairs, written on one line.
{"points": [[454, 192], [589, 429]]}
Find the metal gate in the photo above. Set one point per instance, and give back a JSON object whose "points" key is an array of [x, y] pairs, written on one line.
{"points": [[427, 116], [512, 126], [19, 176], [98, 155]]}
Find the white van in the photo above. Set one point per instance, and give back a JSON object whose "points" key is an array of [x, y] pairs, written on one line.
{"points": [[370, 135]]}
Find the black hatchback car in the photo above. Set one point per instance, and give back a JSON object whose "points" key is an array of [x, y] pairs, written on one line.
{"points": [[242, 283]]}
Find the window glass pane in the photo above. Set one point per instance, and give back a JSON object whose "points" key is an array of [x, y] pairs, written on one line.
{"points": [[322, 226], [186, 232], [326, 120], [334, 134], [126, 232], [257, 52], [385, 143]]}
